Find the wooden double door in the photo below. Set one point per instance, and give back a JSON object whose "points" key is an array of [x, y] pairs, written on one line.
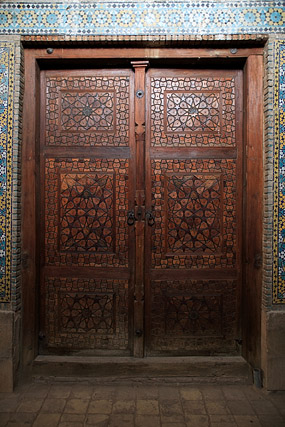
{"points": [[140, 211]]}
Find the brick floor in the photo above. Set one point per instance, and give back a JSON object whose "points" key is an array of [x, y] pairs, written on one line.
{"points": [[140, 404]]}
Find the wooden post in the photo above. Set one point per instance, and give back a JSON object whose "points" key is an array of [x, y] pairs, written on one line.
{"points": [[253, 210], [140, 68]]}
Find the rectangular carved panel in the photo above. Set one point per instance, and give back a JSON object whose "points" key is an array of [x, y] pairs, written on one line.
{"points": [[86, 313], [196, 315], [192, 111], [88, 110], [86, 202], [194, 204], [193, 316], [193, 207]]}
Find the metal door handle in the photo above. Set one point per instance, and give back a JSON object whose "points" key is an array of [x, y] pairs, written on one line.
{"points": [[131, 218], [150, 218]]}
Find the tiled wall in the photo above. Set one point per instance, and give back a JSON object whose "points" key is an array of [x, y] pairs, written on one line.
{"points": [[7, 60], [181, 18], [137, 17], [279, 176]]}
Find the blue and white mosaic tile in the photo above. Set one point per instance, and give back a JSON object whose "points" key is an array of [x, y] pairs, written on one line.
{"points": [[279, 176], [139, 18], [7, 58]]}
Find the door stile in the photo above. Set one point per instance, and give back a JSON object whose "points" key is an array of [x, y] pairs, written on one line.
{"points": [[240, 198], [139, 214], [41, 211], [149, 225]]}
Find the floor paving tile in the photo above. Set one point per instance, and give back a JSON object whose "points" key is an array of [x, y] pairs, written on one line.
{"points": [[81, 392], [147, 407], [194, 407], [217, 407], [69, 424], [53, 406], [17, 424], [30, 405], [124, 392], [197, 420], [191, 394], [103, 392], [234, 393], [22, 417], [253, 393], [226, 418], [231, 424], [271, 420], [47, 420], [76, 406], [264, 407], [98, 420], [147, 392], [57, 391], [172, 419], [9, 405], [212, 393], [240, 407], [4, 418], [121, 420], [173, 424], [124, 407], [147, 421], [73, 418], [247, 421], [37, 391], [168, 392], [100, 407], [170, 407], [142, 404]]}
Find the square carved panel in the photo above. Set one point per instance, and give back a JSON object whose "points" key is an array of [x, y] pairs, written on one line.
{"points": [[192, 112], [85, 313], [87, 111]]}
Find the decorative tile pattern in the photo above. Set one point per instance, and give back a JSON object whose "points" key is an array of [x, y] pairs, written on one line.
{"points": [[7, 55], [135, 18], [279, 176]]}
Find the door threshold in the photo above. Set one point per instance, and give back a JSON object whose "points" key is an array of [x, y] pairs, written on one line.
{"points": [[228, 369]]}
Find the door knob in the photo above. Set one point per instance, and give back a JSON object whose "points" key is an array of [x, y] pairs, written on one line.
{"points": [[139, 333], [150, 218], [131, 218]]}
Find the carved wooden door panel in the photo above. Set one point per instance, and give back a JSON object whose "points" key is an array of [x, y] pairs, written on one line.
{"points": [[194, 190], [140, 211], [86, 189]]}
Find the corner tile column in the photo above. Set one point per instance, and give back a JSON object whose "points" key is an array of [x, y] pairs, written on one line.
{"points": [[10, 137]]}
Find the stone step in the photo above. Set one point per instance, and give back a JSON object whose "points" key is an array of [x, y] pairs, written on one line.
{"points": [[228, 370]]}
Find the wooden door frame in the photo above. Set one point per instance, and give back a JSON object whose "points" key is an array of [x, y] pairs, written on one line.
{"points": [[252, 59]]}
